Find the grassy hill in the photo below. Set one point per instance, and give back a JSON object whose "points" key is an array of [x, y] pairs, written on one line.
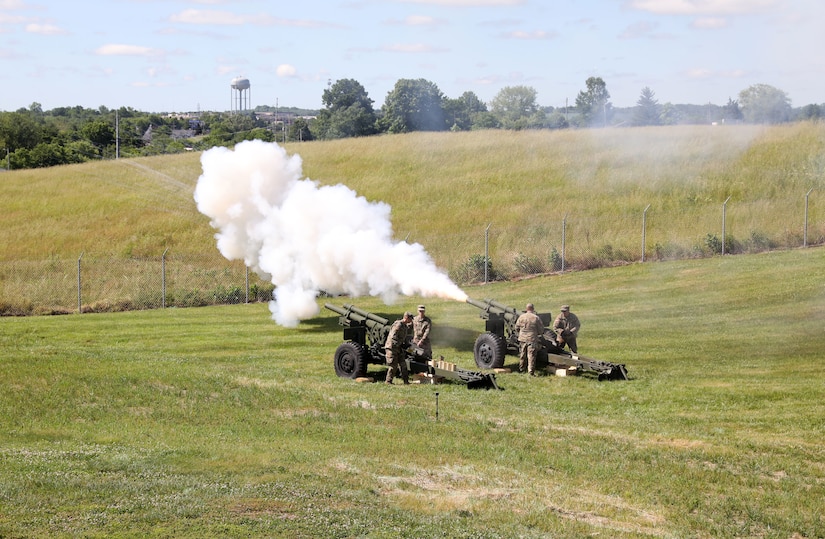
{"points": [[445, 189], [215, 422]]}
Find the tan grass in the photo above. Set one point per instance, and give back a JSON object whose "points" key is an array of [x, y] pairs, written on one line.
{"points": [[445, 189]]}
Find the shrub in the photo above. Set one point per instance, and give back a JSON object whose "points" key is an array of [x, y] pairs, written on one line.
{"points": [[556, 261], [714, 244], [231, 295], [262, 292], [473, 270], [759, 242], [529, 266]]}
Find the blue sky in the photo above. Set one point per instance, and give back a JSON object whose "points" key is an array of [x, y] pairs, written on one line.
{"points": [[168, 55]]}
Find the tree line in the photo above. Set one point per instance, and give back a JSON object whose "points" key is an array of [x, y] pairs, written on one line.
{"points": [[35, 138]]}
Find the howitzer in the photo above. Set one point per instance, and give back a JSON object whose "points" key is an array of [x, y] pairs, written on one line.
{"points": [[501, 338], [366, 333]]}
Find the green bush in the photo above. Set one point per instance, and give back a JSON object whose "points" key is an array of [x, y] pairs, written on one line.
{"points": [[527, 265], [472, 271]]}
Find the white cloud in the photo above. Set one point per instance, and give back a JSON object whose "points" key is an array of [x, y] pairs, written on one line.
{"points": [[115, 49], [701, 7], [228, 18], [411, 48], [467, 3], [535, 34], [226, 69], [212, 17], [8, 5], [45, 29], [703, 74], [286, 70], [420, 20], [11, 19], [710, 23], [699, 73]]}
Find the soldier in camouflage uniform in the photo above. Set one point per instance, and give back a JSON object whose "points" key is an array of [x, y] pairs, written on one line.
{"points": [[394, 348], [421, 332], [566, 327], [530, 329]]}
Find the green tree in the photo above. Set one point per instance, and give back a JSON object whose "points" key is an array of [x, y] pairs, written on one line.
{"points": [[556, 120], [299, 130], [256, 133], [47, 155], [348, 111], [99, 133], [670, 114], [485, 120], [764, 104], [647, 110], [81, 151], [413, 105], [812, 112], [515, 107], [731, 111], [462, 113], [593, 103], [20, 130]]}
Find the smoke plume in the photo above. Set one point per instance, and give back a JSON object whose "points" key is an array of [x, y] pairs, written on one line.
{"points": [[305, 237]]}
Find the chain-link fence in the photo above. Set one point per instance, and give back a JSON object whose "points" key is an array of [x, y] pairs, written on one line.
{"points": [[97, 284], [92, 283], [576, 242]]}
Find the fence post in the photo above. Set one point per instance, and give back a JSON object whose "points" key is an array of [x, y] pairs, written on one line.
{"points": [[563, 241], [486, 251], [644, 230], [247, 283], [163, 279], [805, 230], [724, 210], [79, 283]]}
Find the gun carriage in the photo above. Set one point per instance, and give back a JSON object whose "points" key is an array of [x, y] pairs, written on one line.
{"points": [[501, 338], [366, 333]]}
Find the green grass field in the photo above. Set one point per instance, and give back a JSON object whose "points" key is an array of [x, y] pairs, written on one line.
{"points": [[216, 422]]}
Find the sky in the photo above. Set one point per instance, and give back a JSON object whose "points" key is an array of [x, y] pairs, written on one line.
{"points": [[182, 55]]}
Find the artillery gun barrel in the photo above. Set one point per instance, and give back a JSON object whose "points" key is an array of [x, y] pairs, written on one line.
{"points": [[493, 307], [483, 305], [503, 307], [366, 314], [351, 313], [333, 308]]}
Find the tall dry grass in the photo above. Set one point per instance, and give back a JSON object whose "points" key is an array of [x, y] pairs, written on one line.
{"points": [[445, 189]]}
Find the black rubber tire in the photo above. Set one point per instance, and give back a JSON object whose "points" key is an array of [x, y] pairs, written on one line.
{"points": [[489, 351], [350, 360]]}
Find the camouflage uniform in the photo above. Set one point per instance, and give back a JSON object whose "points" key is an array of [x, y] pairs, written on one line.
{"points": [[567, 327], [394, 349], [530, 330], [421, 332]]}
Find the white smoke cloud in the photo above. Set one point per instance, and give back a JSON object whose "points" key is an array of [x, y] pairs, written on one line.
{"points": [[305, 237]]}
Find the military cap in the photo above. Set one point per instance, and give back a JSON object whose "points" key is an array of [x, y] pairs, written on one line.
{"points": [[421, 308], [565, 308]]}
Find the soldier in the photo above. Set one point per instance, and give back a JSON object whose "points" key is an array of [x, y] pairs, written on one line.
{"points": [[530, 330], [421, 332], [394, 348], [567, 327]]}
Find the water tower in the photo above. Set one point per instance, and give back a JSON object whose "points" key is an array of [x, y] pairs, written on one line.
{"points": [[240, 94]]}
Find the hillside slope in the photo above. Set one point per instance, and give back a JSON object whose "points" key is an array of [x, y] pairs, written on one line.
{"points": [[445, 189]]}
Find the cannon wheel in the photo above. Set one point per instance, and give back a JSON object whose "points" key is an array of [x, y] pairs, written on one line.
{"points": [[489, 351], [350, 360]]}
